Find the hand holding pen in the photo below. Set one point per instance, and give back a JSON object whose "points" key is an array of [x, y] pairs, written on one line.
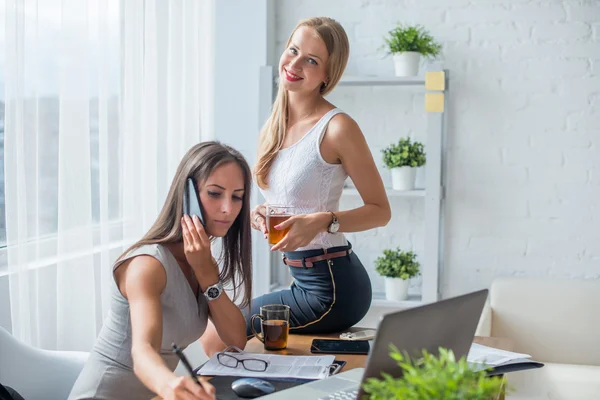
{"points": [[188, 387]]}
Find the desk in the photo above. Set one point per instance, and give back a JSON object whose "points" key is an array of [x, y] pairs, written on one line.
{"points": [[299, 345]]}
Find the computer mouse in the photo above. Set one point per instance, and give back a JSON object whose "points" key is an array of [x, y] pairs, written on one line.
{"points": [[251, 387]]}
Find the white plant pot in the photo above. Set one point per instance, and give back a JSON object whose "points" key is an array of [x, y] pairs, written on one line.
{"points": [[407, 63], [396, 289], [403, 178]]}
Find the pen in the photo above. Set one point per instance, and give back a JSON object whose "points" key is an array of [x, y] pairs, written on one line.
{"points": [[185, 362]]}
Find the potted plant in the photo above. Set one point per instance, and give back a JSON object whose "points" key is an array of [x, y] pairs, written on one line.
{"points": [[397, 267], [407, 44], [433, 377], [403, 159]]}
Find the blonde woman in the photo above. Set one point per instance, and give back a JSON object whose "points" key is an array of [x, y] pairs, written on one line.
{"points": [[168, 287], [308, 148]]}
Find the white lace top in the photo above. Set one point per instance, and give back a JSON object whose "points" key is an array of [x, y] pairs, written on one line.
{"points": [[301, 178]]}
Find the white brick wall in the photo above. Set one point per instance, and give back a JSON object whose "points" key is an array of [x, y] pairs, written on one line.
{"points": [[523, 157]]}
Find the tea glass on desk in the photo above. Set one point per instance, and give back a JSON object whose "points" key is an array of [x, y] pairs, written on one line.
{"points": [[276, 214], [275, 326]]}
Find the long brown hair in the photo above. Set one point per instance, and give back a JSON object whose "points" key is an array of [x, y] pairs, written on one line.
{"points": [[236, 250], [273, 132]]}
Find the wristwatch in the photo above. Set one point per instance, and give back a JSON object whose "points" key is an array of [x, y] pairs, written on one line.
{"points": [[214, 291], [335, 224]]}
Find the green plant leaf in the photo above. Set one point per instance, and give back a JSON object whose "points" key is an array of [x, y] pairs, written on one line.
{"points": [[433, 377], [405, 38], [397, 264], [404, 154]]}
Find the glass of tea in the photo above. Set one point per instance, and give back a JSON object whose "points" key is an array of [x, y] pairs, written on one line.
{"points": [[274, 326], [276, 214]]}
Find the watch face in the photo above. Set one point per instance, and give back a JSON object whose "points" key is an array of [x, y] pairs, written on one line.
{"points": [[213, 292], [333, 228]]}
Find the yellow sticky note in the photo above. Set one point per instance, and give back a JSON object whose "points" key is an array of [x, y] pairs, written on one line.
{"points": [[435, 80], [434, 102]]}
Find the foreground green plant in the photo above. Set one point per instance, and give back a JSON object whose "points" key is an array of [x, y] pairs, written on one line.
{"points": [[433, 378]]}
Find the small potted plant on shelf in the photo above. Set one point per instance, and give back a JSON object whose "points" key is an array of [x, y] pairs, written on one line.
{"points": [[397, 267], [403, 159], [407, 44], [433, 377]]}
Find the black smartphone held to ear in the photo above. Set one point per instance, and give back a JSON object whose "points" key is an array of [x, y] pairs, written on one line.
{"points": [[191, 201], [338, 346]]}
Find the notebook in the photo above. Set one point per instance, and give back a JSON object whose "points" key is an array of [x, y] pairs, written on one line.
{"points": [[500, 361], [275, 366]]}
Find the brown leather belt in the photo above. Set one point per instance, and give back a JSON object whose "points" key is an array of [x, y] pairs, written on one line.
{"points": [[309, 261]]}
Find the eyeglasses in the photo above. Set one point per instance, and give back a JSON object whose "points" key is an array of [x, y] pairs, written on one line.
{"points": [[250, 364]]}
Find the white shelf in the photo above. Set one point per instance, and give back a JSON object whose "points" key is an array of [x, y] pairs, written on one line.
{"points": [[390, 192], [374, 80], [379, 300], [382, 81]]}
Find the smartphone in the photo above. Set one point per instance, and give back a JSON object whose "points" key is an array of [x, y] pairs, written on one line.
{"points": [[338, 346], [191, 201]]}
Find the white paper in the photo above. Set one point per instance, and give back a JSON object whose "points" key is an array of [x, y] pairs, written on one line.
{"points": [[488, 355], [301, 367]]}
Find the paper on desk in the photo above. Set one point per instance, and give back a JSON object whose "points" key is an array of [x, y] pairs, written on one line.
{"points": [[488, 355], [301, 367]]}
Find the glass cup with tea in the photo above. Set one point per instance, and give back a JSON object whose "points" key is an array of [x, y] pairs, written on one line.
{"points": [[274, 325], [276, 214]]}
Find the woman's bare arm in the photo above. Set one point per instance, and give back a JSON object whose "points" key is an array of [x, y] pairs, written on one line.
{"points": [[227, 319], [344, 142], [141, 281]]}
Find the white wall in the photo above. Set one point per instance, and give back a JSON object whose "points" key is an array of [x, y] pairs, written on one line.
{"points": [[523, 161]]}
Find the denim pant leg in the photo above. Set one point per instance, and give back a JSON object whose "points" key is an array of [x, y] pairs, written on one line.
{"points": [[331, 296]]}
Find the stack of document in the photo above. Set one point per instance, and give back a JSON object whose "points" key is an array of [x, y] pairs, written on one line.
{"points": [[499, 361], [299, 367]]}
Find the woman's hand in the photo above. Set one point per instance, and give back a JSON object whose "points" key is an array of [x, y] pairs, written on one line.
{"points": [[303, 229], [258, 219], [196, 246], [184, 388]]}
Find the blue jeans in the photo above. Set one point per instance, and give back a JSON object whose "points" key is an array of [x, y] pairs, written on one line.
{"points": [[331, 296]]}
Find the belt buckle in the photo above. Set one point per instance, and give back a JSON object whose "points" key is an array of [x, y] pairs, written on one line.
{"points": [[284, 258]]}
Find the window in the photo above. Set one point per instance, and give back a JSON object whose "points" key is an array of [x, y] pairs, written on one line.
{"points": [[55, 42]]}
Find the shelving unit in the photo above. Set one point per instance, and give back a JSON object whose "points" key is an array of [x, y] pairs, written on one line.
{"points": [[435, 86]]}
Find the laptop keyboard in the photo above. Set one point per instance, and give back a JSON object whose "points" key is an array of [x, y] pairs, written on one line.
{"points": [[351, 394]]}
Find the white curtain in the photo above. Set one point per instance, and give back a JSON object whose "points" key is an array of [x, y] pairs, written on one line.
{"points": [[102, 99]]}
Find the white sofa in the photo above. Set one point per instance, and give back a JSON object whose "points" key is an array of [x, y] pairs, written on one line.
{"points": [[557, 321], [38, 374]]}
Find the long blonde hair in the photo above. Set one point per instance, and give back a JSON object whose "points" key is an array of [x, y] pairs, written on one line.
{"points": [[273, 132], [236, 250]]}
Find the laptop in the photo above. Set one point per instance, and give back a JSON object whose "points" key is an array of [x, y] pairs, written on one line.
{"points": [[449, 323]]}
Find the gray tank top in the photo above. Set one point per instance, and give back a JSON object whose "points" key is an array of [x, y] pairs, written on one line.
{"points": [[108, 374]]}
